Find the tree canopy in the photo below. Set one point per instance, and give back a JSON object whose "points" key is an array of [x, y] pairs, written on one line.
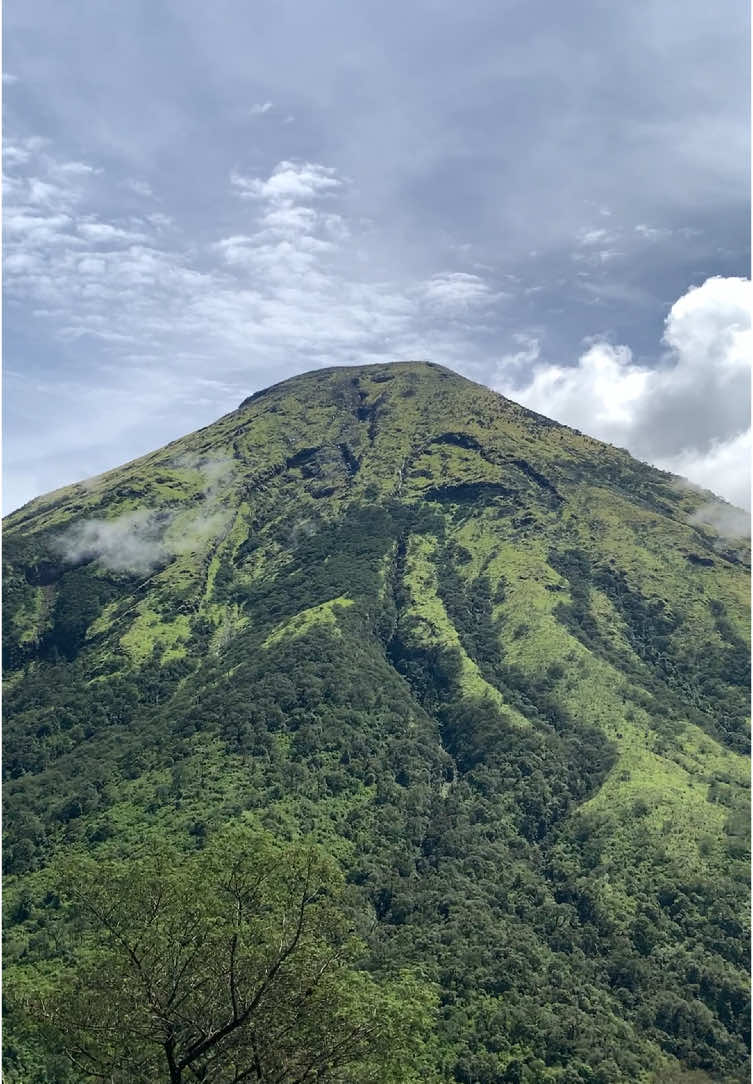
{"points": [[237, 963]]}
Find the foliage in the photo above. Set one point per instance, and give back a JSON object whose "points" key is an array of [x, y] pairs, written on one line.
{"points": [[232, 964]]}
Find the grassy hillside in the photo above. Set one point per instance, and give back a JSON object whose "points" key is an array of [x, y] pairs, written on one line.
{"points": [[496, 668]]}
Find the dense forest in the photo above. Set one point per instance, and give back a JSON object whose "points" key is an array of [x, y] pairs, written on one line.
{"points": [[381, 731]]}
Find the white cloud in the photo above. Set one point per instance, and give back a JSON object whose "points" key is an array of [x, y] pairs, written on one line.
{"points": [[44, 193], [21, 263], [652, 233], [159, 221], [14, 155], [728, 521], [725, 469], [596, 247], [529, 352], [596, 257], [131, 543], [105, 233], [594, 237], [73, 169], [598, 395], [457, 290], [710, 325], [290, 218], [140, 540], [92, 265], [689, 412], [288, 182], [24, 228]]}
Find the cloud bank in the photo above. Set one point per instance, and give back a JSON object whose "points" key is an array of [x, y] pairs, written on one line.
{"points": [[688, 413]]}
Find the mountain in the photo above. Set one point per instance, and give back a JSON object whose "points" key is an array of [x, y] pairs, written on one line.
{"points": [[497, 668]]}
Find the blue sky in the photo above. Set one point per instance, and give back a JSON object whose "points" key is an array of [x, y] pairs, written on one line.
{"points": [[200, 200]]}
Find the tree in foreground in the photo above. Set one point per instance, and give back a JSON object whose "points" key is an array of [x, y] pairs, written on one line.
{"points": [[234, 964]]}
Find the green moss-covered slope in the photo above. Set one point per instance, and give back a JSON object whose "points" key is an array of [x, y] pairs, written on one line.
{"points": [[499, 669]]}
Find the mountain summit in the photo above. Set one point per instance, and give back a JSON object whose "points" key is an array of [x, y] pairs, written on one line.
{"points": [[496, 667]]}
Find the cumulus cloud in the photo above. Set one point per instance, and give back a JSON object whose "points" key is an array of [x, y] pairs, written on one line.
{"points": [[598, 395], [688, 412], [288, 182]]}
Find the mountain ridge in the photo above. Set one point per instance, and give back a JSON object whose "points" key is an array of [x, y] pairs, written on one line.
{"points": [[382, 372]]}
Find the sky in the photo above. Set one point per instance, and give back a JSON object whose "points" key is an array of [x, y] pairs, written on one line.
{"points": [[203, 199]]}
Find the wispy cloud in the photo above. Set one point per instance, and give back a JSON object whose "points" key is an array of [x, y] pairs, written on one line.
{"points": [[594, 237], [652, 233], [138, 187], [726, 520], [457, 290], [106, 234], [132, 542], [520, 360], [140, 540]]}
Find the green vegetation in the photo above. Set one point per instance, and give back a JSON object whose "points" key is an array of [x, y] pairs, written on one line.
{"points": [[490, 667], [233, 963]]}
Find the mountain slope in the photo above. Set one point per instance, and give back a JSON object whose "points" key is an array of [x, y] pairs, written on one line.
{"points": [[497, 667]]}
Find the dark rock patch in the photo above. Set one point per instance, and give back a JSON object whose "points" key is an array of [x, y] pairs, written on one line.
{"points": [[459, 440], [43, 573], [534, 475], [352, 464], [696, 559], [300, 458], [466, 492]]}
